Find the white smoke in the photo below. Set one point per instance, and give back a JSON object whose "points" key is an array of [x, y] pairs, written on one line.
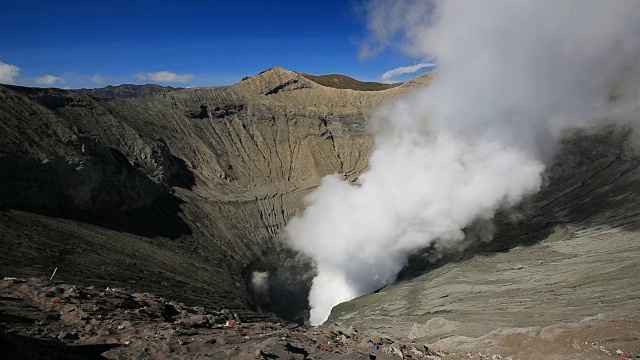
{"points": [[512, 75], [259, 282]]}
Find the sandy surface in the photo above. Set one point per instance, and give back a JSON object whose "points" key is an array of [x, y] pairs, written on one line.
{"points": [[574, 295]]}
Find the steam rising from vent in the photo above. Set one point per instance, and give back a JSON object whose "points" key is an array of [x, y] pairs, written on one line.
{"points": [[259, 282], [512, 75]]}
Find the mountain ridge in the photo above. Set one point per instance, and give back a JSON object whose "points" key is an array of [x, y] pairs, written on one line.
{"points": [[336, 81], [127, 91]]}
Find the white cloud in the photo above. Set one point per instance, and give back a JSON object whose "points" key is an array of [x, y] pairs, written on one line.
{"points": [[164, 76], [99, 79], [393, 24], [405, 70], [8, 73], [49, 80]]}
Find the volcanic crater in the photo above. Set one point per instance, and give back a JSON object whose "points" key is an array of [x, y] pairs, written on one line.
{"points": [[183, 193]]}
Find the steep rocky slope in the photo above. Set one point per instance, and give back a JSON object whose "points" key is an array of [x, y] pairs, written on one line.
{"points": [[175, 193]]}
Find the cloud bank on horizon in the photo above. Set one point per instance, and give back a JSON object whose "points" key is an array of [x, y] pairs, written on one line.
{"points": [[10, 74], [49, 80], [99, 79], [512, 77], [387, 76], [165, 76]]}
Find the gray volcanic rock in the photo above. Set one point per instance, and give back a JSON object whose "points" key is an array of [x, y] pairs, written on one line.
{"points": [[174, 193], [53, 320]]}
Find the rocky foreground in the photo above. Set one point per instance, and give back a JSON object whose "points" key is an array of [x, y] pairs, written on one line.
{"points": [[44, 319]]}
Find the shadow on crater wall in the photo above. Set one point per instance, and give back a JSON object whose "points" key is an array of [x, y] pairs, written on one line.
{"points": [[279, 283], [113, 194]]}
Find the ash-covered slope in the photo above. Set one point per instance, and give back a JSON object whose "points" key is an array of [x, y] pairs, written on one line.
{"points": [[561, 278], [174, 193]]}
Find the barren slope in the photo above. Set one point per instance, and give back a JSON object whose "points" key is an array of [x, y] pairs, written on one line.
{"points": [[174, 193]]}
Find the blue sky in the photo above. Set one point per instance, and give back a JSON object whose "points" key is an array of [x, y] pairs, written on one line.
{"points": [[183, 43]]}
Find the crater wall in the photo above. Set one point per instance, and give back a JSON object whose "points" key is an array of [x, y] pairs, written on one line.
{"points": [[178, 191]]}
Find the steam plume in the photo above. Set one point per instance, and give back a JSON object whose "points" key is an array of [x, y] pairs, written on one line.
{"points": [[512, 76]]}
